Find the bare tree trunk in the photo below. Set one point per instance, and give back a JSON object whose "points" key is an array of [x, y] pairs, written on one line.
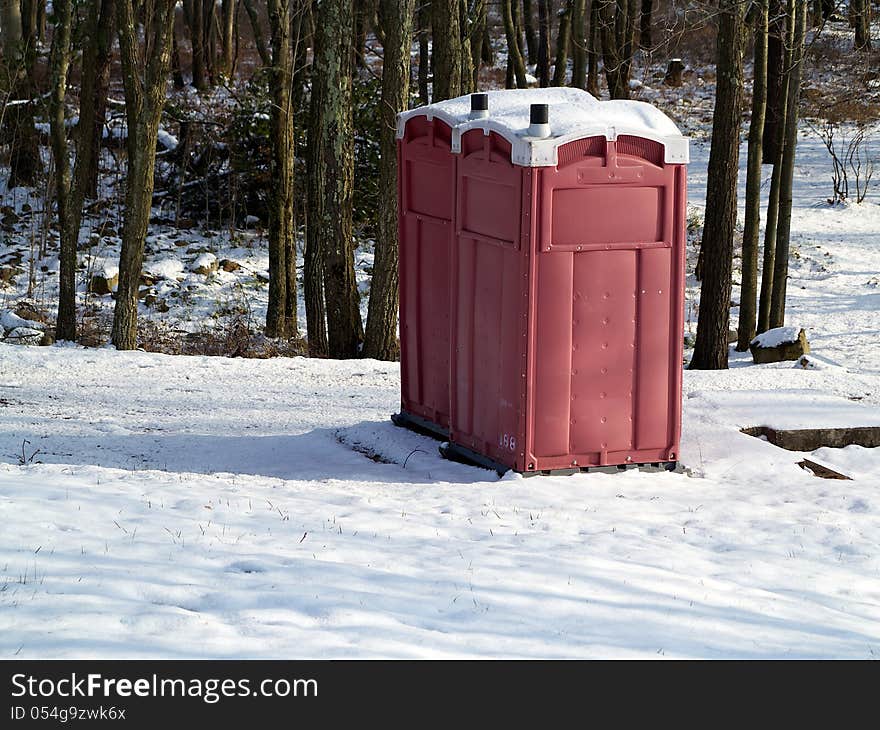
{"points": [[250, 7], [18, 130], [96, 41], [97, 54], [783, 230], [778, 148], [395, 18], [467, 60], [542, 70], [528, 23], [488, 50], [645, 24], [145, 77], [197, 37], [482, 47], [364, 15], [280, 316], [593, 49], [176, 68], [424, 56], [41, 20], [514, 57], [748, 299], [65, 327], [446, 33], [710, 349], [229, 16], [313, 273], [473, 21], [860, 19], [210, 35], [331, 158], [578, 44], [776, 64], [616, 27], [563, 38]]}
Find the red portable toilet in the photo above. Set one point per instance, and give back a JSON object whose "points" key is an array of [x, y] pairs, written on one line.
{"points": [[426, 205], [565, 276]]}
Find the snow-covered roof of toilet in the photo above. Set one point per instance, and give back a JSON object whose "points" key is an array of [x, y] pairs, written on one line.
{"points": [[573, 114]]}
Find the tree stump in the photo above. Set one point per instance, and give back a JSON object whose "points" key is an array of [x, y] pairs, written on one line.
{"points": [[674, 70]]}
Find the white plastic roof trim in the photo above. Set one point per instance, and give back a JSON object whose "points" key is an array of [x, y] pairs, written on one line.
{"points": [[574, 114]]}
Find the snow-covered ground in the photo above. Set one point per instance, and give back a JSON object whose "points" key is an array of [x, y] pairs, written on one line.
{"points": [[213, 507]]}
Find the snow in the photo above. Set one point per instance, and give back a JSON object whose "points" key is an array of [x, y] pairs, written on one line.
{"points": [[161, 506], [776, 337], [573, 114], [571, 111], [790, 409], [107, 269], [167, 140], [9, 320], [166, 268], [204, 261]]}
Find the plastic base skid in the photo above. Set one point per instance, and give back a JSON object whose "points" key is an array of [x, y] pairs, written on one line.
{"points": [[419, 425], [654, 466], [454, 452], [463, 455]]}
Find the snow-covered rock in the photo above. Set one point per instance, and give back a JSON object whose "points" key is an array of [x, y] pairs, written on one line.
{"points": [[24, 336], [167, 268], [103, 282], [204, 264], [10, 321], [778, 344]]}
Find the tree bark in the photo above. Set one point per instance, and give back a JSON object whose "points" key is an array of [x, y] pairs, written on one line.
{"points": [[395, 18], [281, 310], [97, 55], [59, 61], [144, 77], [465, 25], [211, 39], [176, 66], [480, 46], [487, 49], [776, 64], [531, 35], [446, 33], [578, 44], [331, 155], [616, 27], [748, 299], [710, 349], [783, 230], [515, 61], [229, 15], [96, 41], [860, 18], [542, 69], [645, 24], [424, 54], [593, 50], [563, 38], [250, 7], [18, 130], [778, 148], [197, 39]]}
